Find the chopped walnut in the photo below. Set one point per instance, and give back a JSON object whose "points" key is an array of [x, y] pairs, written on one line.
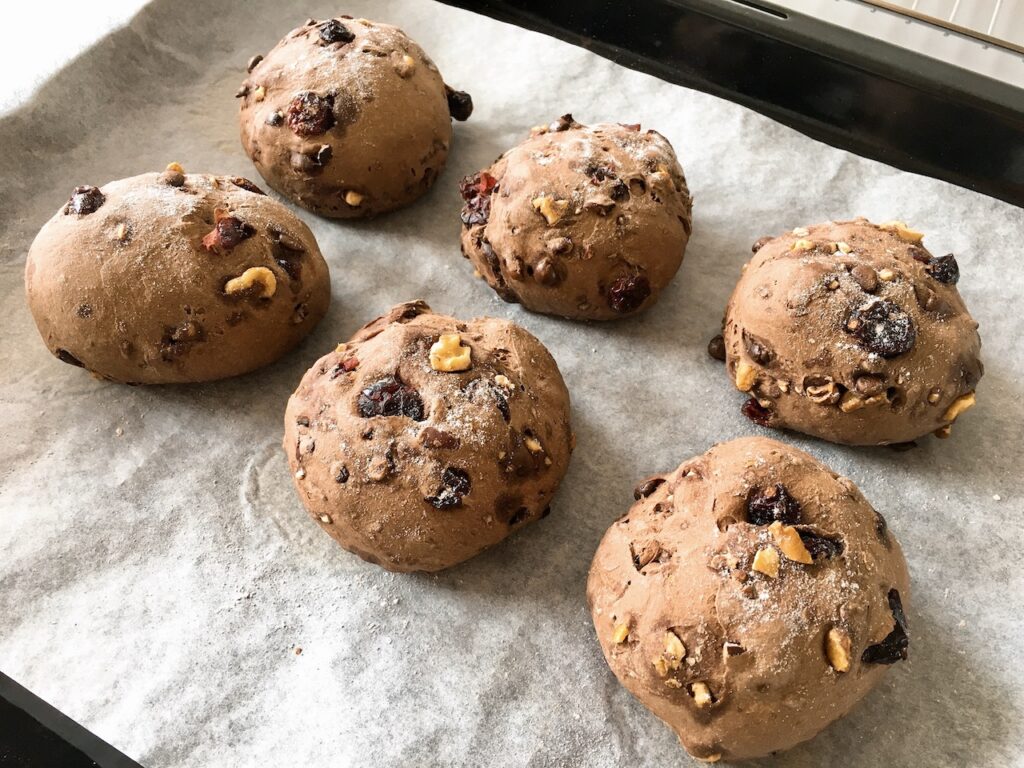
{"points": [[886, 275], [533, 444], [353, 198], [803, 245], [843, 247], [620, 634], [551, 209], [449, 354], [674, 652], [787, 538], [258, 280], [958, 406], [801, 231], [904, 232], [766, 561], [746, 375], [701, 695], [837, 649], [405, 66]]}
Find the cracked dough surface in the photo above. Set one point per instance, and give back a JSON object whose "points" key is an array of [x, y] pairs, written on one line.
{"points": [[733, 659]]}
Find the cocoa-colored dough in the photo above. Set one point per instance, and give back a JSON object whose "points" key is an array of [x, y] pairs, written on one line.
{"points": [[348, 117], [852, 332], [737, 661], [586, 222], [174, 277], [415, 468]]}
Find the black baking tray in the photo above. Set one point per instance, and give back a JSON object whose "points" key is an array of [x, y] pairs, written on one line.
{"points": [[833, 84], [846, 89]]}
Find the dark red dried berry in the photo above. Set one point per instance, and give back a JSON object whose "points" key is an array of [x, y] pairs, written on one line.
{"points": [[84, 200], [716, 347], [756, 412], [944, 268], [460, 103], [882, 327], [455, 484], [334, 31], [821, 546], [311, 114], [765, 506], [390, 397], [227, 234], [247, 185], [476, 191], [627, 293], [894, 647]]}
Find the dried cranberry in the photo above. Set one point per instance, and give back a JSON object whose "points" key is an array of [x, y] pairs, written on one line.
{"points": [[944, 268], [756, 412], [883, 328], [84, 200], [766, 506], [455, 484], [716, 347], [894, 647], [390, 397], [227, 234], [476, 191], [247, 185], [334, 31], [311, 114], [460, 103], [821, 546], [627, 293]]}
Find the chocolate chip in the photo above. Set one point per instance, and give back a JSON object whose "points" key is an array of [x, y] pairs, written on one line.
{"points": [[435, 438], [310, 114], [66, 357], [84, 200], [647, 487], [765, 506], [501, 287], [619, 191], [323, 155], [821, 546], [178, 340], [245, 184], [84, 311], [227, 234], [476, 190], [716, 347], [275, 118], [894, 647], [882, 327], [881, 527], [758, 349], [242, 92], [756, 412], [733, 649], [254, 62], [340, 473], [550, 271], [760, 243], [334, 31], [866, 278], [944, 268], [519, 516], [172, 178], [287, 253], [564, 123], [627, 293], [390, 397], [460, 103], [455, 484]]}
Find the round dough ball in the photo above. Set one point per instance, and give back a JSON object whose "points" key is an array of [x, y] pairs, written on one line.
{"points": [[586, 222], [749, 598], [173, 277], [348, 117], [852, 332], [425, 440]]}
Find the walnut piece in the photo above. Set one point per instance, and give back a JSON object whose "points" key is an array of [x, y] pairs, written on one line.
{"points": [[353, 198], [701, 695], [958, 406], [449, 354], [904, 232], [746, 375], [259, 280], [787, 538], [551, 209], [837, 649], [620, 633], [803, 245], [766, 561]]}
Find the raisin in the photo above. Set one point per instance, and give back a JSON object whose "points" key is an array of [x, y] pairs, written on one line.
{"points": [[287, 253], [647, 487], [758, 349], [227, 234], [716, 347], [944, 268], [628, 293], [883, 328], [476, 191], [764, 507], [334, 31], [460, 103], [247, 185], [455, 484], [390, 397], [756, 412], [311, 114], [84, 200], [66, 357], [821, 546], [341, 475], [881, 527], [894, 647]]}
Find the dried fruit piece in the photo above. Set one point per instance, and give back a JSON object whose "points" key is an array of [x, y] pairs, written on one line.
{"points": [[758, 349], [227, 234], [756, 412], [944, 268], [449, 354], [787, 538], [390, 397], [455, 484], [894, 647], [626, 294], [620, 633], [820, 546], [84, 200], [245, 184], [334, 31], [257, 281], [771, 505], [882, 327], [476, 192], [550, 208], [460, 103], [310, 114], [766, 561], [838, 649], [958, 406]]}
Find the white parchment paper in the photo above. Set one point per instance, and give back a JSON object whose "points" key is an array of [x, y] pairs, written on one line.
{"points": [[158, 576]]}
